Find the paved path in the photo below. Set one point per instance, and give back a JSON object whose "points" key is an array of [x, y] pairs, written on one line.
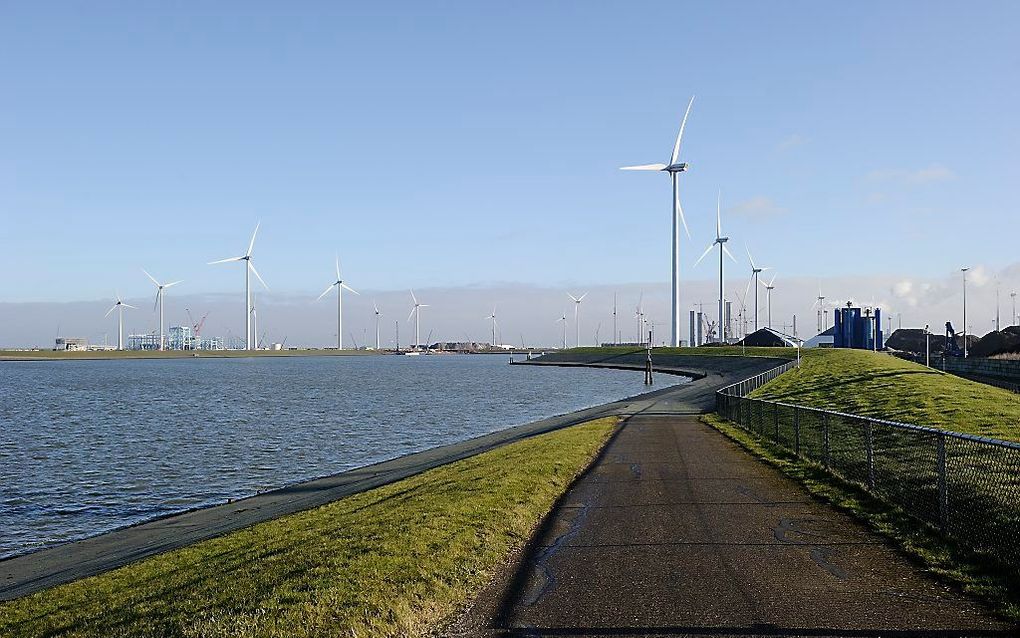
{"points": [[676, 531], [23, 575]]}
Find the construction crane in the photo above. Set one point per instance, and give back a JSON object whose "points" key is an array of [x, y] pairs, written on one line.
{"points": [[952, 348], [196, 327]]}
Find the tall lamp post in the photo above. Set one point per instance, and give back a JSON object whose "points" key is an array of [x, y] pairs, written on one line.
{"points": [[927, 347], [964, 271]]}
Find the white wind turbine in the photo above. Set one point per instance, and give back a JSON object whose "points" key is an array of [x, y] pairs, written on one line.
{"points": [[820, 304], [769, 287], [494, 324], [723, 250], [377, 315], [249, 268], [674, 168], [639, 314], [159, 301], [340, 285], [563, 320], [119, 307], [577, 326], [755, 271], [416, 313], [255, 322]]}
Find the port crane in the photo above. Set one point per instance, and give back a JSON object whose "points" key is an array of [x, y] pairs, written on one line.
{"points": [[952, 348], [196, 327]]}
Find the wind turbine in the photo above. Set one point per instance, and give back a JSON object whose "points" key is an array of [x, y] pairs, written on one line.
{"points": [[377, 315], [674, 168], [563, 320], [755, 271], [493, 318], [820, 304], [159, 301], [577, 325], [769, 287], [119, 307], [416, 313], [340, 285], [249, 268], [255, 322], [639, 314], [723, 250]]}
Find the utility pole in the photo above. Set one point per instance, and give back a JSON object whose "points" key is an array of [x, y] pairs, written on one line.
{"points": [[1013, 295], [396, 324], [964, 271], [614, 319], [927, 347]]}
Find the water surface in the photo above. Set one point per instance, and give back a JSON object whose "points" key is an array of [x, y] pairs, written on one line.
{"points": [[89, 446]]}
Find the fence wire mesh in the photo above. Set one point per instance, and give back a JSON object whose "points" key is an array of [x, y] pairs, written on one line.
{"points": [[966, 486]]}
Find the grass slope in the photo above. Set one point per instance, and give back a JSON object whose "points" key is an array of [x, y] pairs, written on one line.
{"points": [[394, 561], [882, 386]]}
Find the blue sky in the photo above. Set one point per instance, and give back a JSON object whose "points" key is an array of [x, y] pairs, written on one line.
{"points": [[463, 144]]}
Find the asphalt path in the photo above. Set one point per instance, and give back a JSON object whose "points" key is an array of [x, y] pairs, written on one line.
{"points": [[676, 531], [22, 575]]}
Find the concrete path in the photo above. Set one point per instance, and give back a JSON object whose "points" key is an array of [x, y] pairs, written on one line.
{"points": [[676, 531], [23, 575]]}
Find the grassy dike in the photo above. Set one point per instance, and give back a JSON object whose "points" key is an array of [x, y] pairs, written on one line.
{"points": [[399, 560], [882, 386]]}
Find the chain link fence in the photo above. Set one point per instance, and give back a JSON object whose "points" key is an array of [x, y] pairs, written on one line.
{"points": [[966, 486]]}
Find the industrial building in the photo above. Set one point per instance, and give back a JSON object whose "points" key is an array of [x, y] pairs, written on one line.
{"points": [[71, 343], [177, 338], [857, 328]]}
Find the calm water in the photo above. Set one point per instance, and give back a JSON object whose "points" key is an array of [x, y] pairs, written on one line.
{"points": [[89, 446]]}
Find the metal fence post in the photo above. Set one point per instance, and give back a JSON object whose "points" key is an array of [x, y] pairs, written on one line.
{"points": [[869, 436], [825, 439], [942, 485], [796, 430], [775, 414]]}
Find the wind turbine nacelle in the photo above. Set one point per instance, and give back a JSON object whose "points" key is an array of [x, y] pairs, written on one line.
{"points": [[679, 167]]}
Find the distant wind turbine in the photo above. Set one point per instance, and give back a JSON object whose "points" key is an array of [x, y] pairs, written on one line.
{"points": [[563, 320], [723, 250], [577, 326], [674, 168], [119, 307], [249, 268], [769, 287], [639, 314], [820, 304], [340, 286], [493, 318], [416, 313], [159, 302], [755, 271], [377, 315]]}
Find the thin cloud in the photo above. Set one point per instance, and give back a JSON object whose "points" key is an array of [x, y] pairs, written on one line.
{"points": [[792, 141], [758, 207], [929, 175]]}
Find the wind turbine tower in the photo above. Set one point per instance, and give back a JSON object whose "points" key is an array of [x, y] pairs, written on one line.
{"points": [[119, 307], [416, 313], [375, 307], [755, 271], [577, 326], [493, 318], [674, 168], [159, 302], [723, 251], [249, 341], [563, 320], [340, 286], [769, 287]]}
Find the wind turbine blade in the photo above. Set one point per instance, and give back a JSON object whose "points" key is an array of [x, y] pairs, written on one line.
{"points": [[728, 253], [572, 297], [324, 292], [375, 307], [173, 283], [251, 244], [223, 261], [644, 167], [411, 314], [423, 305], [680, 135], [153, 279], [114, 307], [680, 209], [718, 215], [705, 254], [338, 277], [252, 266], [413, 298], [750, 281], [579, 299], [351, 289], [128, 306], [749, 257], [773, 280], [156, 302]]}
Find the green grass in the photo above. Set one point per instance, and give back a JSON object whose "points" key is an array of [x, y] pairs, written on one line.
{"points": [[974, 573], [714, 351], [394, 561], [58, 355], [882, 386]]}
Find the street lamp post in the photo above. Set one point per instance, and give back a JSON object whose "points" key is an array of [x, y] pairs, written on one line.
{"points": [[964, 271], [927, 347]]}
